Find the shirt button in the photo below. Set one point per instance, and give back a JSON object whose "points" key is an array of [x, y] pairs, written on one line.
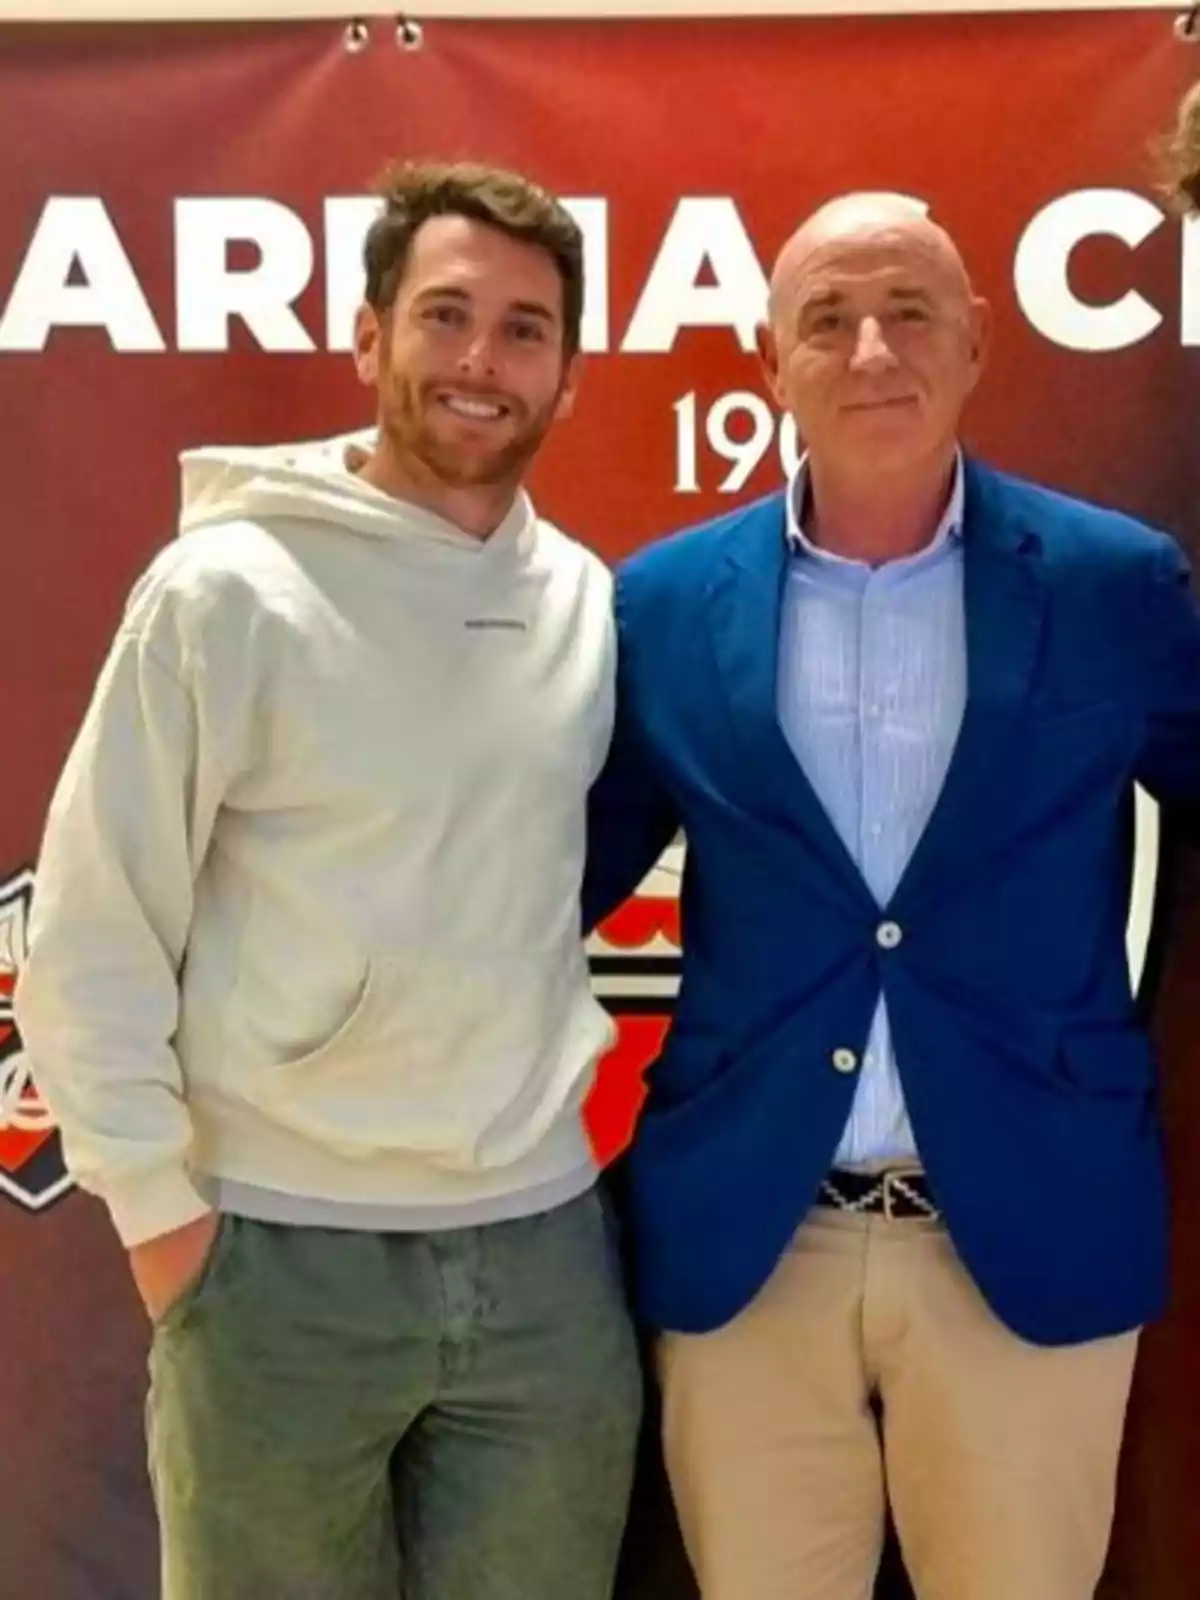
{"points": [[888, 935], [844, 1060]]}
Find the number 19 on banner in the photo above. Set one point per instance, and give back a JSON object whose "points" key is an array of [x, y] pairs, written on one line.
{"points": [[739, 428]]}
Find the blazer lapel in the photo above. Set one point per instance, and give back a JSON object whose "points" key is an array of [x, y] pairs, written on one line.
{"points": [[745, 596], [1004, 601]]}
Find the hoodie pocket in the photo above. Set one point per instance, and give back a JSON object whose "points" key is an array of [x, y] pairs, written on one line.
{"points": [[461, 1061]]}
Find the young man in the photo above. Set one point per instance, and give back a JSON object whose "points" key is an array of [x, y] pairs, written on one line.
{"points": [[901, 1148], [306, 986]]}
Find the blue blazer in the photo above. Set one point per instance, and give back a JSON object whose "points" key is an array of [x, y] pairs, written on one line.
{"points": [[1028, 1079]]}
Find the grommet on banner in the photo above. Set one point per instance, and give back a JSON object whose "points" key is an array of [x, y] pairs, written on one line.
{"points": [[356, 37], [409, 33], [1187, 26]]}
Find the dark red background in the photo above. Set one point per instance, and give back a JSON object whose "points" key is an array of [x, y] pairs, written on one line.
{"points": [[987, 117]]}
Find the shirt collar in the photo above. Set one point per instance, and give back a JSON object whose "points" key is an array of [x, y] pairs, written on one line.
{"points": [[950, 527]]}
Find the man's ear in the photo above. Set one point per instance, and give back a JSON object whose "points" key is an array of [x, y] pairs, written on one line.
{"points": [[572, 378], [369, 333], [982, 322], [768, 355]]}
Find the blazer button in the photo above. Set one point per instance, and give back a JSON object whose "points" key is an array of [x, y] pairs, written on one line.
{"points": [[844, 1060], [888, 935]]}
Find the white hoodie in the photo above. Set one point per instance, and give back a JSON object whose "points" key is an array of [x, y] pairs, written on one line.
{"points": [[307, 906]]}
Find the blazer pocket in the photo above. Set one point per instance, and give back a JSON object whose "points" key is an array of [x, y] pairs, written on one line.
{"points": [[720, 1079], [1107, 1059], [664, 1120], [1094, 723], [1085, 745], [1085, 711]]}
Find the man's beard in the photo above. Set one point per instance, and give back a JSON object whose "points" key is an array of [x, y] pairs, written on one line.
{"points": [[406, 426]]}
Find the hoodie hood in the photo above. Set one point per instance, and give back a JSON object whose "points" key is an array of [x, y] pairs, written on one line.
{"points": [[316, 480]]}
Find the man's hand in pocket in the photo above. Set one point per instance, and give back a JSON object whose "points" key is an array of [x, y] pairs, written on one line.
{"points": [[164, 1268]]}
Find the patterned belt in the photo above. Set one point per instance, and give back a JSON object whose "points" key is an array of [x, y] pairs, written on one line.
{"points": [[895, 1194]]}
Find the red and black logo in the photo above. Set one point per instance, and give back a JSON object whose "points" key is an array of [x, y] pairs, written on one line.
{"points": [[635, 961], [31, 1163]]}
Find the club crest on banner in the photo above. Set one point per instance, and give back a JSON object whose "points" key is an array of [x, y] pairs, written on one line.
{"points": [[31, 1165]]}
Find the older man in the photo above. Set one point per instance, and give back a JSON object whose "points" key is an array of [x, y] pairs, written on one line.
{"points": [[900, 1157]]}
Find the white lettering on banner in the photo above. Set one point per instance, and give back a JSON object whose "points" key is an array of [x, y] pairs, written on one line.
{"points": [[76, 273], [730, 440], [75, 237], [208, 292], [703, 233], [1041, 271], [347, 219]]}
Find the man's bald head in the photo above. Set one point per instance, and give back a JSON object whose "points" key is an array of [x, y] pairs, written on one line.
{"points": [[862, 219]]}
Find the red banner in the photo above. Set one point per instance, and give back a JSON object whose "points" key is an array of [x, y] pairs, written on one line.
{"points": [[179, 265]]}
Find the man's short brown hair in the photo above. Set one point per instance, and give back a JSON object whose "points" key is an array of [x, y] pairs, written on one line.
{"points": [[1182, 155], [414, 191]]}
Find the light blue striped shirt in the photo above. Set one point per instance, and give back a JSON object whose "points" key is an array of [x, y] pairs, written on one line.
{"points": [[872, 684]]}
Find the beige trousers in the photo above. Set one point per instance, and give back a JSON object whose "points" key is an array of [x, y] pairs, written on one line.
{"points": [[998, 1457]]}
